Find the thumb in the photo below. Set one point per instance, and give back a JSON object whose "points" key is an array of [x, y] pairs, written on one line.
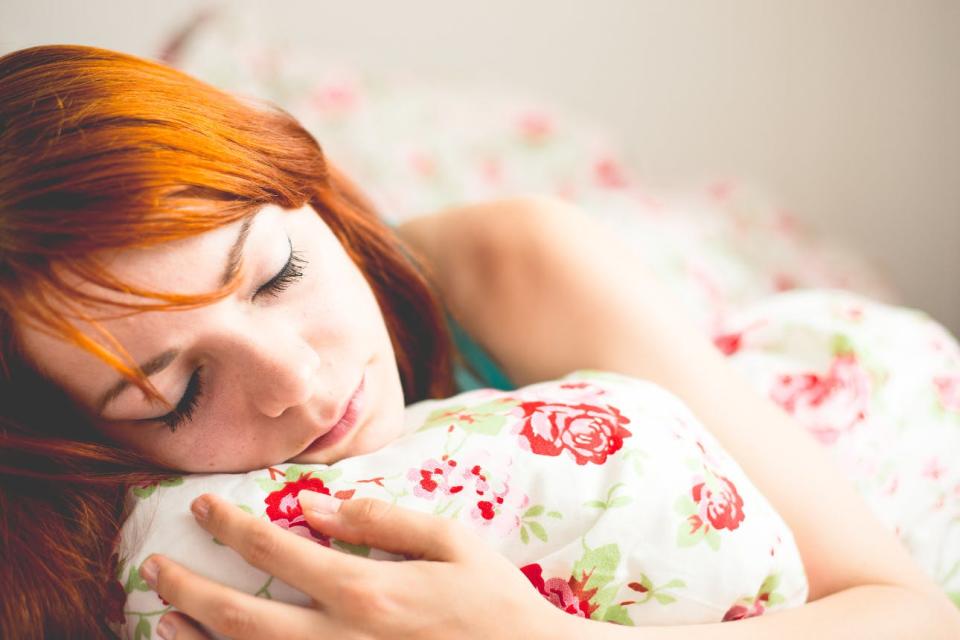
{"points": [[375, 523]]}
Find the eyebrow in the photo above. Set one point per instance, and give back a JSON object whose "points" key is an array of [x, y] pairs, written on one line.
{"points": [[160, 362]]}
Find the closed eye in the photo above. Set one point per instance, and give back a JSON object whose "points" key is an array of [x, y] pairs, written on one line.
{"points": [[290, 273]]}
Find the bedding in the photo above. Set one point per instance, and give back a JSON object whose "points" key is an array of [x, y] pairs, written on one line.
{"points": [[604, 490], [417, 146], [878, 386], [808, 322]]}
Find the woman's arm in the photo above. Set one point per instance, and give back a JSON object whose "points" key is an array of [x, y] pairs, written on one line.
{"points": [[544, 275]]}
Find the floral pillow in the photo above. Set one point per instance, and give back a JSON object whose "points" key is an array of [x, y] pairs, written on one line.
{"points": [[604, 490]]}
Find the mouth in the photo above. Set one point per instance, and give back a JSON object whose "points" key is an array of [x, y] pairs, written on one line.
{"points": [[343, 426]]}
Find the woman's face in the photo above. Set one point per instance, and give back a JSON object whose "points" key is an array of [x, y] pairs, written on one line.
{"points": [[257, 377]]}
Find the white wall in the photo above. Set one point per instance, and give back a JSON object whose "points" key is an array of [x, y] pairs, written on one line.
{"points": [[849, 110]]}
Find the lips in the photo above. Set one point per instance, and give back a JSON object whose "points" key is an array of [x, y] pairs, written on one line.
{"points": [[344, 424]]}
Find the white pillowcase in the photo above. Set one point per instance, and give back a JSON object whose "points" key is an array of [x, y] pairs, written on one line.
{"points": [[605, 490]]}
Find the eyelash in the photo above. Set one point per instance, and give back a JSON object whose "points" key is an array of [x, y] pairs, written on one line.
{"points": [[188, 403], [291, 272]]}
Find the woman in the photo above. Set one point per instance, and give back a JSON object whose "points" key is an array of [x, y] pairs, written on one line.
{"points": [[188, 285]]}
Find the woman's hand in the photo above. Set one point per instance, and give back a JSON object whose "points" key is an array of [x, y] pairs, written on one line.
{"points": [[453, 586]]}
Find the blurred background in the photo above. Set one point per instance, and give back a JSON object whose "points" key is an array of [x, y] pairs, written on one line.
{"points": [[847, 111]]}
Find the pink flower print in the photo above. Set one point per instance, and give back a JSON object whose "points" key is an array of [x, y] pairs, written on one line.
{"points": [[433, 478], [493, 505], [491, 170], [336, 96], [422, 164], [730, 343], [720, 191], [933, 469], [535, 126], [948, 391], [608, 173], [827, 405], [784, 282]]}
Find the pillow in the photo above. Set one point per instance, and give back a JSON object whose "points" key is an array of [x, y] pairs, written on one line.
{"points": [[879, 387], [604, 490]]}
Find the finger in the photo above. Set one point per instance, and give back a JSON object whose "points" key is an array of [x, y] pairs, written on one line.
{"points": [[379, 524], [179, 626], [299, 562], [224, 610]]}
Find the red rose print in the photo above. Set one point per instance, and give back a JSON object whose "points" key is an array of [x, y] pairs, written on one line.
{"points": [[728, 343], [566, 595], [283, 507], [827, 405], [740, 612], [723, 509], [590, 433]]}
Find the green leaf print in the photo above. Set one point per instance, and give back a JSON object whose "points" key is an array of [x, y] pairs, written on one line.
{"points": [[293, 473], [617, 614], [770, 584], [144, 492], [712, 538], [172, 482], [533, 511], [554, 514], [600, 564], [135, 582], [142, 630], [610, 502], [355, 549], [326, 475], [637, 456], [269, 486], [842, 345], [604, 597], [687, 537], [487, 418], [538, 530], [524, 536]]}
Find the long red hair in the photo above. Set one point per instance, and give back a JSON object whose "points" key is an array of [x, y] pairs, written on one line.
{"points": [[101, 150]]}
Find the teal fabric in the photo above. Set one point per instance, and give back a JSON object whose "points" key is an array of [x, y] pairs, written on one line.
{"points": [[480, 371]]}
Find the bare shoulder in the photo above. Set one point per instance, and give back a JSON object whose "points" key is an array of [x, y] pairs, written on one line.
{"points": [[474, 248], [485, 229]]}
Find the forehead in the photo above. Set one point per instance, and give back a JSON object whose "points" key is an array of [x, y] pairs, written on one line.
{"points": [[192, 265]]}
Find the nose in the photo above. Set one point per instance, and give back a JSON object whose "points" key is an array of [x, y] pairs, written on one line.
{"points": [[282, 373]]}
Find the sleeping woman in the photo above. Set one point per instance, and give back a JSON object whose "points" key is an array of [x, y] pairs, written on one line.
{"points": [[188, 285]]}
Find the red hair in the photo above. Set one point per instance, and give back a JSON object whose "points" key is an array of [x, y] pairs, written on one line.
{"points": [[101, 150]]}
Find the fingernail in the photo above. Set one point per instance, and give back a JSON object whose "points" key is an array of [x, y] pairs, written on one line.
{"points": [[148, 571], [200, 508], [166, 630], [319, 502]]}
